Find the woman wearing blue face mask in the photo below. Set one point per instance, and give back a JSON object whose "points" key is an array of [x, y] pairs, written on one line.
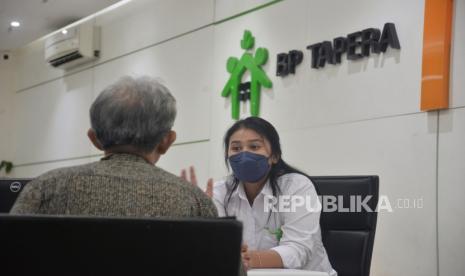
{"points": [[276, 203]]}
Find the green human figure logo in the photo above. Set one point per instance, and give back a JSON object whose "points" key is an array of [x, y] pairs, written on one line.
{"points": [[237, 68]]}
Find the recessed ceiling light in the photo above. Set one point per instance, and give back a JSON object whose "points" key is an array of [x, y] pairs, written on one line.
{"points": [[15, 24], [64, 31]]}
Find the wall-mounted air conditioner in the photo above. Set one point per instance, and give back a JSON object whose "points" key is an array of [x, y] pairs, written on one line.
{"points": [[73, 46]]}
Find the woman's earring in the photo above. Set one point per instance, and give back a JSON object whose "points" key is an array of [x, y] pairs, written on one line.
{"points": [[274, 160]]}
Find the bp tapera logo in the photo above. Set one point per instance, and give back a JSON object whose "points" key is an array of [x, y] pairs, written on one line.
{"points": [[250, 90]]}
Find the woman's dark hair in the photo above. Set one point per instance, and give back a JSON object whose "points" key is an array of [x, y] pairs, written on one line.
{"points": [[268, 132]]}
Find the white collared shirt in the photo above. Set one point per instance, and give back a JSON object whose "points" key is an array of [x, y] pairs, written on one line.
{"points": [[300, 246]]}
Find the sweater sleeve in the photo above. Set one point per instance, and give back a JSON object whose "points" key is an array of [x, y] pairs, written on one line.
{"points": [[205, 207]]}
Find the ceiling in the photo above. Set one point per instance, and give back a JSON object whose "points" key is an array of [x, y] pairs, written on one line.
{"points": [[40, 17]]}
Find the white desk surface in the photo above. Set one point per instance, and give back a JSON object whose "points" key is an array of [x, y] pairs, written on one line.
{"points": [[284, 272]]}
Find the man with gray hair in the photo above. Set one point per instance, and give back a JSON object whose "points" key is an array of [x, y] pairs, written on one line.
{"points": [[131, 122]]}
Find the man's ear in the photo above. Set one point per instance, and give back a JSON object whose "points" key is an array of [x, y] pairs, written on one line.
{"points": [[93, 138], [166, 142]]}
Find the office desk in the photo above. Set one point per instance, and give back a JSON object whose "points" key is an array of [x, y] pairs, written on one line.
{"points": [[284, 272]]}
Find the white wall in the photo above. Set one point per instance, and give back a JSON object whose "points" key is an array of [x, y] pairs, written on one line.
{"points": [[354, 118], [141, 38], [451, 158], [7, 89]]}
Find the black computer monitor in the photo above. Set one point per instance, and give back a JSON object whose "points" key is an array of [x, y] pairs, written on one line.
{"points": [[9, 191], [59, 245]]}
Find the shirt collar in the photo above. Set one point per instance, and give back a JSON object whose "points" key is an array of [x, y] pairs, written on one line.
{"points": [[267, 189], [240, 191], [124, 157]]}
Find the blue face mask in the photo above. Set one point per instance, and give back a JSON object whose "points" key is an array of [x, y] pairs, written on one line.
{"points": [[248, 166]]}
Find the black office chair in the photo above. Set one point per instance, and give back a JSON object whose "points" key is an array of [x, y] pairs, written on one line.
{"points": [[349, 236]]}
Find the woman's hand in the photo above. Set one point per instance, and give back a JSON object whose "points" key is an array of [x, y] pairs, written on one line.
{"points": [[193, 180], [264, 259], [245, 256]]}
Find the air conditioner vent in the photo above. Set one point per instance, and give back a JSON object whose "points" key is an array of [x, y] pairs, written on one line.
{"points": [[64, 59]]}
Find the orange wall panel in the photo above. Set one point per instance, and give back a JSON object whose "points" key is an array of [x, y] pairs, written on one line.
{"points": [[436, 54]]}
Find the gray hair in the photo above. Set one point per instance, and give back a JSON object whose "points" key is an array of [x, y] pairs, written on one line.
{"points": [[133, 111]]}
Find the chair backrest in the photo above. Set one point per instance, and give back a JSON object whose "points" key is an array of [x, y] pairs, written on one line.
{"points": [[58, 245], [9, 191], [348, 233]]}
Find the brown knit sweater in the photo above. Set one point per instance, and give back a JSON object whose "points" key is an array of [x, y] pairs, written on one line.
{"points": [[117, 185]]}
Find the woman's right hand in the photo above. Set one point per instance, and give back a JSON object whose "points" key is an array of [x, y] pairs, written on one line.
{"points": [[193, 180], [245, 256]]}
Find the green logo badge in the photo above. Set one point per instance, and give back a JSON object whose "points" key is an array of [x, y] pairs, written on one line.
{"points": [[278, 233], [237, 68]]}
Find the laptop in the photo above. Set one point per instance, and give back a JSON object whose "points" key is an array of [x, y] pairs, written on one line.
{"points": [[9, 191], [59, 245]]}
